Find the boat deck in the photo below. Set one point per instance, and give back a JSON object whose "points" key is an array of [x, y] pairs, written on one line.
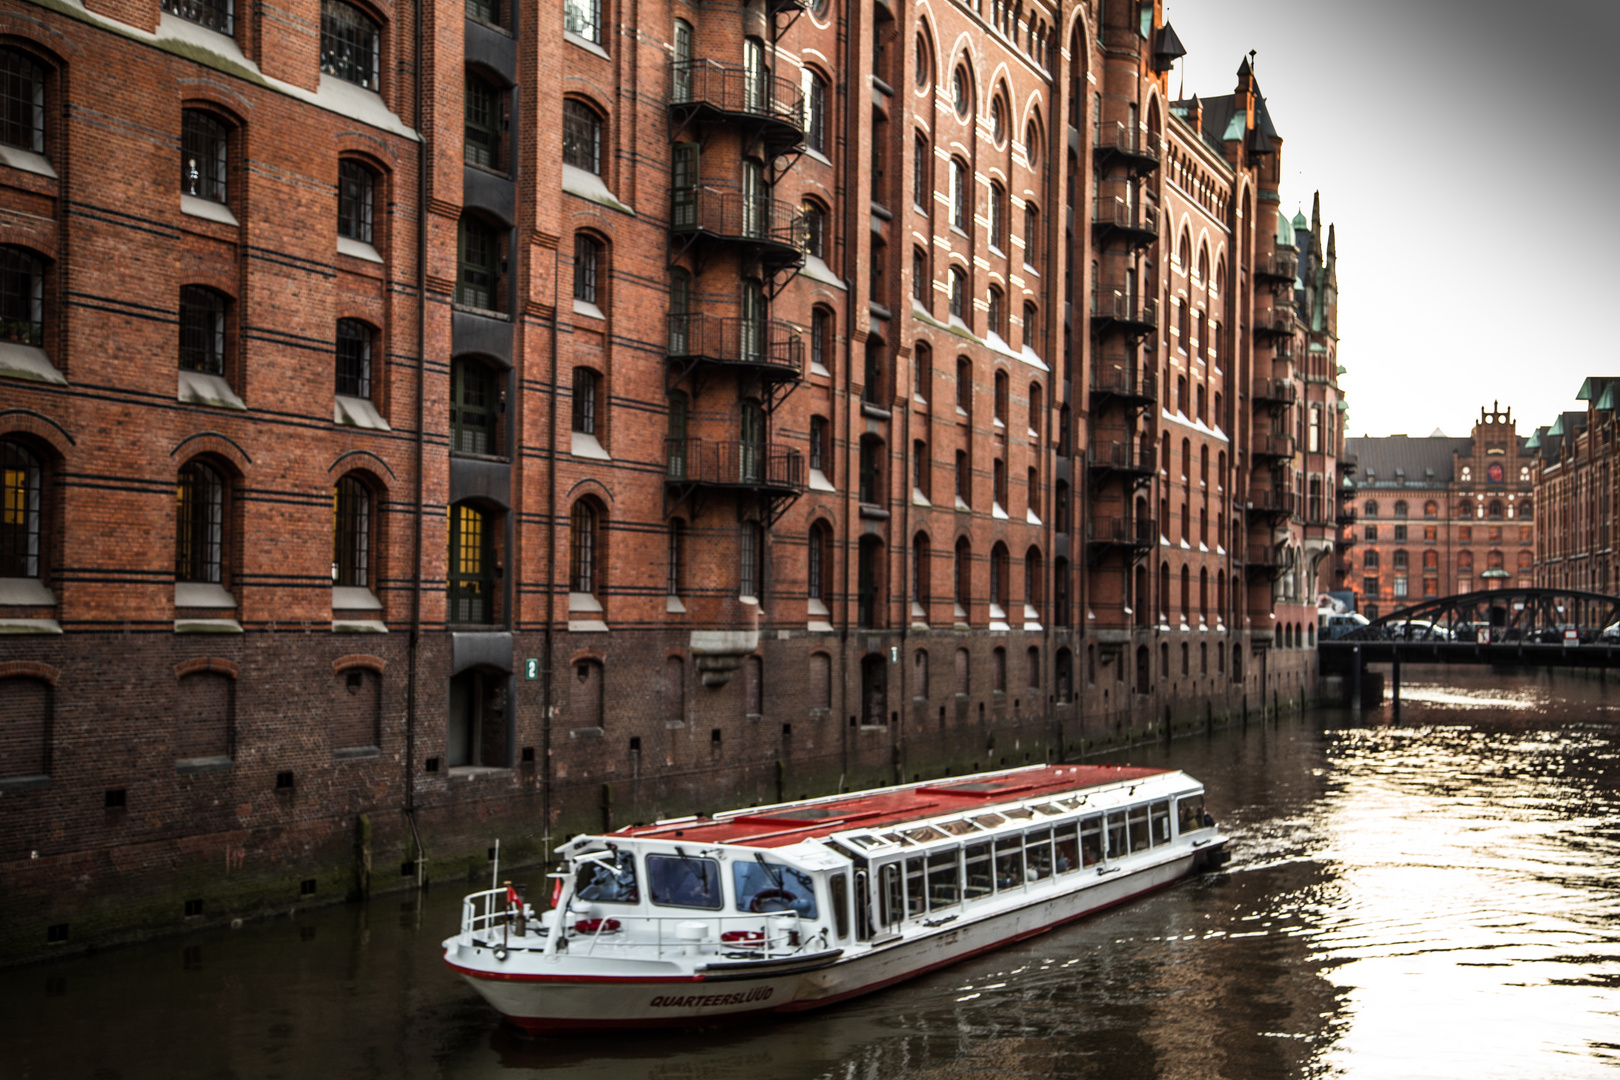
{"points": [[790, 823]]}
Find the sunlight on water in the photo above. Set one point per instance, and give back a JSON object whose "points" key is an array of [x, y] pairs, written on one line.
{"points": [[1434, 898]]}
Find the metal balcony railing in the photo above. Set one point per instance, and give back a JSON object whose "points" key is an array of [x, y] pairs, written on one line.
{"points": [[1277, 267], [1127, 456], [1113, 301], [732, 88], [1122, 530], [1273, 444], [1122, 376], [733, 216], [770, 344], [1271, 501], [1279, 391], [734, 463], [1121, 138], [1116, 213]]}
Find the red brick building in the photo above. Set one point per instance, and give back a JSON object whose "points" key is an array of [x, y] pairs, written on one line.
{"points": [[1576, 465], [693, 407], [1438, 516]]}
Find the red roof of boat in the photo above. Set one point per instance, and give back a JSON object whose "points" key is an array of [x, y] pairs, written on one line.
{"points": [[788, 824]]}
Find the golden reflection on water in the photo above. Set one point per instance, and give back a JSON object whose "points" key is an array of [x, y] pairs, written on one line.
{"points": [[1434, 898]]}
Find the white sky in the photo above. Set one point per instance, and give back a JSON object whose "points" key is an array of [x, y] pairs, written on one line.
{"points": [[1469, 154]]}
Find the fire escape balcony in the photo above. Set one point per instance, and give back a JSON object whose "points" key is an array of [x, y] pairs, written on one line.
{"points": [[770, 231], [770, 349], [764, 467], [1130, 459], [1277, 269], [767, 107], [1272, 444], [1121, 380], [1120, 142], [1275, 392], [1134, 535], [1270, 504], [1274, 322], [1266, 562], [1345, 517], [1114, 310], [1116, 217]]}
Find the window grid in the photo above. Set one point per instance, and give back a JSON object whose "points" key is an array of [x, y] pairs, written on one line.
{"points": [[475, 283], [998, 216], [815, 128], [959, 194], [351, 534], [22, 102], [820, 337], [199, 549], [202, 330], [582, 548], [22, 297], [817, 553], [921, 174], [217, 15], [472, 409], [583, 18], [585, 386], [204, 146], [582, 137], [750, 576], [351, 44], [485, 11], [356, 192], [353, 358], [586, 250], [676, 549], [471, 580], [818, 435], [19, 512], [482, 125]]}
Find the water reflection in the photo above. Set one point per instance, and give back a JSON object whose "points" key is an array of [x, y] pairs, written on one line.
{"points": [[1433, 898]]}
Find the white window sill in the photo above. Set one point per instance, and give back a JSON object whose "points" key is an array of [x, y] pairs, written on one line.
{"points": [[207, 208], [1030, 357], [673, 606], [817, 270], [997, 512], [960, 505], [207, 626], [818, 369], [27, 161], [25, 592], [211, 390], [819, 481], [588, 185], [357, 412], [586, 43], [202, 594], [919, 499], [589, 310], [587, 626], [358, 249], [585, 602], [586, 446], [28, 362], [751, 601], [1030, 518], [29, 626], [359, 626], [354, 598], [814, 607]]}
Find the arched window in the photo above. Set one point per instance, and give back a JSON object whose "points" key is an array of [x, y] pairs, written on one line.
{"points": [[202, 330], [484, 139], [204, 155], [815, 229], [1431, 509], [1400, 509], [354, 358], [351, 534], [1033, 583], [478, 257], [998, 216], [357, 188], [962, 577], [998, 120], [1493, 509], [919, 674], [22, 116], [1493, 561], [22, 297], [1465, 562], [1399, 561], [201, 529], [22, 513], [818, 568], [1370, 508], [582, 136], [583, 534], [1431, 561], [961, 196], [924, 73], [996, 313], [588, 270], [351, 44], [962, 91]]}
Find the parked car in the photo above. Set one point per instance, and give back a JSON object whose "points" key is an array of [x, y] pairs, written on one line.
{"points": [[1337, 626], [1554, 635], [1419, 630], [1611, 634]]}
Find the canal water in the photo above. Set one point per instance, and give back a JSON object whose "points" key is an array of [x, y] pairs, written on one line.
{"points": [[1433, 897]]}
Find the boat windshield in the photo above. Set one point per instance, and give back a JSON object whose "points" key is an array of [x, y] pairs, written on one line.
{"points": [[610, 881], [684, 881], [1190, 808], [764, 887]]}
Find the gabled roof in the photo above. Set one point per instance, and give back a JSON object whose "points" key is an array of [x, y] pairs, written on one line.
{"points": [[1397, 460]]}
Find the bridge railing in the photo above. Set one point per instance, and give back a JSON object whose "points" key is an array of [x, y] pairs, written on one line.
{"points": [[1503, 617]]}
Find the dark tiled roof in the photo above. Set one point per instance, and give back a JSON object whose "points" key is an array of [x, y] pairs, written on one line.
{"points": [[1378, 459]]}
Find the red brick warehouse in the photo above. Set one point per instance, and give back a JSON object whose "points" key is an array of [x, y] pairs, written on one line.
{"points": [[700, 406]]}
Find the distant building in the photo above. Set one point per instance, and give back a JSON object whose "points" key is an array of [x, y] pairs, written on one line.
{"points": [[1577, 468], [1436, 516]]}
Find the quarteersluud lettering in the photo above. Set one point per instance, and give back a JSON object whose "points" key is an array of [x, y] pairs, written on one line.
{"points": [[688, 1001]]}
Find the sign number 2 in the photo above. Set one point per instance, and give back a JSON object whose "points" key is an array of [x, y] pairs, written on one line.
{"points": [[531, 669]]}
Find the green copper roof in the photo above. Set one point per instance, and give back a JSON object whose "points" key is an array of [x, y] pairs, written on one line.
{"points": [[1586, 390], [1235, 127], [1557, 428], [1607, 400], [1300, 222], [1344, 406], [1285, 231], [1534, 442]]}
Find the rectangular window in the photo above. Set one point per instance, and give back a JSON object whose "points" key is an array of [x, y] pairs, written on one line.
{"points": [[475, 279], [998, 216], [202, 330], [586, 251], [961, 195], [944, 879], [585, 390], [19, 512], [353, 358], [815, 110], [675, 555], [922, 176], [583, 18], [22, 297], [351, 44], [687, 882], [204, 143], [483, 123], [356, 188], [582, 137], [485, 11], [1032, 237], [219, 15], [750, 572]]}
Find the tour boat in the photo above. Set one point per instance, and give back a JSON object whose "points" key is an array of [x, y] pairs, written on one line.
{"points": [[708, 920]]}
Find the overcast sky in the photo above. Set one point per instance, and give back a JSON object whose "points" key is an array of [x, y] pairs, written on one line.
{"points": [[1469, 153]]}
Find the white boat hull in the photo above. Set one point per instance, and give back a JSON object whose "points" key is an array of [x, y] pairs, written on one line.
{"points": [[578, 990]]}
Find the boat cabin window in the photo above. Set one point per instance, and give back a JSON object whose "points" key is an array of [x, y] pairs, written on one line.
{"points": [[944, 879], [687, 882], [1068, 848], [1116, 834], [1160, 815], [924, 833], [916, 900], [867, 840], [1190, 809], [891, 897], [608, 881], [989, 821], [1038, 854], [1009, 862], [895, 838], [1020, 813], [1091, 848], [958, 827], [979, 881], [764, 887], [1049, 809], [1138, 817], [838, 884]]}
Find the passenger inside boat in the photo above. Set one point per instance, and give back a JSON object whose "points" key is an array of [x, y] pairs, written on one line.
{"points": [[613, 881]]}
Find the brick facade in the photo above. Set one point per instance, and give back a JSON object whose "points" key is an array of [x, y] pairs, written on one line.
{"points": [[728, 407], [1576, 472]]}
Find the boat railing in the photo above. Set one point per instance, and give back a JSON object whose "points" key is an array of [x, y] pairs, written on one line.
{"points": [[769, 936], [493, 912]]}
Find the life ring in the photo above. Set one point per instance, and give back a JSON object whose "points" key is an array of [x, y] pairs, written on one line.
{"points": [[500, 953], [556, 892], [771, 894]]}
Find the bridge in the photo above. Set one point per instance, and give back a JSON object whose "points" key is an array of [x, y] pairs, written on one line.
{"points": [[1497, 628]]}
